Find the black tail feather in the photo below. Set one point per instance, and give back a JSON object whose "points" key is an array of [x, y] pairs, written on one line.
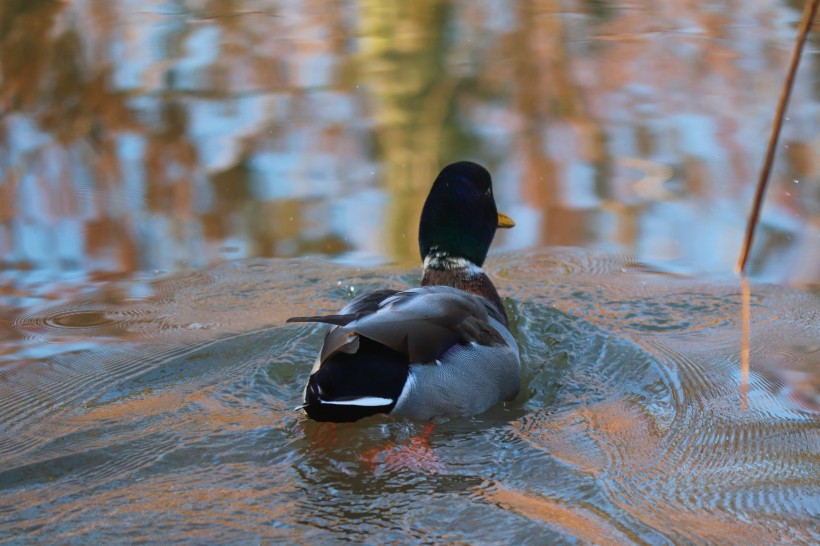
{"points": [[374, 371], [338, 320]]}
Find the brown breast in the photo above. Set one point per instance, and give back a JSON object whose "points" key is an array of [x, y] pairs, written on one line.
{"points": [[475, 283]]}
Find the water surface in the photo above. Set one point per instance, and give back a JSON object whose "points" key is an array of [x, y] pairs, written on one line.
{"points": [[169, 418], [176, 134], [177, 177]]}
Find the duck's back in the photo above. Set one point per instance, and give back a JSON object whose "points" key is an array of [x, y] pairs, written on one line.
{"points": [[420, 353]]}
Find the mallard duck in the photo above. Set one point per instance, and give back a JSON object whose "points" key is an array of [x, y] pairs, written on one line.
{"points": [[440, 350]]}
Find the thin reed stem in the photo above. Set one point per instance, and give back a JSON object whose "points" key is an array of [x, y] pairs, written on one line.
{"points": [[809, 13]]}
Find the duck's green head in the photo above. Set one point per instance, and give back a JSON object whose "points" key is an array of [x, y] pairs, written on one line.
{"points": [[459, 218]]}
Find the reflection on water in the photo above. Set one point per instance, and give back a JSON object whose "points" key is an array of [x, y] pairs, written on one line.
{"points": [[171, 135], [170, 417], [165, 166]]}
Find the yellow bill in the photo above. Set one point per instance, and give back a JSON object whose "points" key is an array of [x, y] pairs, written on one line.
{"points": [[505, 221]]}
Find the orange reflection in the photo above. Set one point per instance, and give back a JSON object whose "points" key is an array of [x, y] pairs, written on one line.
{"points": [[317, 130], [745, 322], [575, 521]]}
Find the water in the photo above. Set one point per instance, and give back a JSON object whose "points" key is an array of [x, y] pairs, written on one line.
{"points": [[177, 134], [178, 177], [169, 418]]}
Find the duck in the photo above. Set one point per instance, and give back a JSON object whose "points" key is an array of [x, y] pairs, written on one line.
{"points": [[439, 350]]}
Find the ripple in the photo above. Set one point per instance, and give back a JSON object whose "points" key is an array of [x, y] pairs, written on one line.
{"points": [[572, 519], [661, 423], [246, 295], [556, 264], [631, 427], [41, 401], [72, 320]]}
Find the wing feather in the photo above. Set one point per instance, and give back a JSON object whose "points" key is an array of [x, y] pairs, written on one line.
{"points": [[425, 322], [422, 323]]}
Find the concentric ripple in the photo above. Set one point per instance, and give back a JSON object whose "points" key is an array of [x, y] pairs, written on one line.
{"points": [[74, 321], [558, 264]]}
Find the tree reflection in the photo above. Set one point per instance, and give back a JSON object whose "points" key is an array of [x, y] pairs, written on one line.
{"points": [[190, 132], [402, 63]]}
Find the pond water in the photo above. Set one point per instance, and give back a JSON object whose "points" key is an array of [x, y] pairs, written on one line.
{"points": [[170, 418], [179, 177]]}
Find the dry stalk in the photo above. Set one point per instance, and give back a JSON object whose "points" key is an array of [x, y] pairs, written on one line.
{"points": [[809, 13]]}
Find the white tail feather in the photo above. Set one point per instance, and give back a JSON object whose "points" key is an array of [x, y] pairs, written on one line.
{"points": [[367, 401]]}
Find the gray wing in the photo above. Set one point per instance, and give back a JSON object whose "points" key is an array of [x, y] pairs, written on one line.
{"points": [[422, 323], [425, 322]]}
